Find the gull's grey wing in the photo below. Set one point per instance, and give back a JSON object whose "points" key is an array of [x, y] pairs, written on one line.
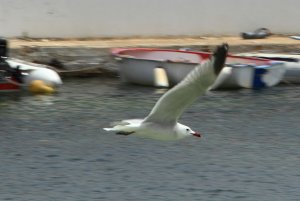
{"points": [[171, 105]]}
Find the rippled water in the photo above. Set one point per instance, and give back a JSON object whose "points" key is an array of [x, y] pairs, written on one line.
{"points": [[53, 148]]}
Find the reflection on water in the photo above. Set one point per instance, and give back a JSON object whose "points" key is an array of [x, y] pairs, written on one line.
{"points": [[53, 147]]}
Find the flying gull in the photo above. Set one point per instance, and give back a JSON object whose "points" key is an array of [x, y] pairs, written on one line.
{"points": [[162, 122]]}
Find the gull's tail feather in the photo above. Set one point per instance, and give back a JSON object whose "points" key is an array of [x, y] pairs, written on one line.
{"points": [[127, 126], [115, 125], [108, 129], [220, 55]]}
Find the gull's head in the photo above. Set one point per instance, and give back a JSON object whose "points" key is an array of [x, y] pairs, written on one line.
{"points": [[185, 131]]}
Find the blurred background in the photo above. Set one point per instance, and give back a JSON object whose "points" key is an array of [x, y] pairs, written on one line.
{"points": [[116, 18]]}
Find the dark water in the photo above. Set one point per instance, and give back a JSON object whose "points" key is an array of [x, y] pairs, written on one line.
{"points": [[52, 148]]}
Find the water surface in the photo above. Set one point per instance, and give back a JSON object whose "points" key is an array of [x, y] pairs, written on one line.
{"points": [[53, 147]]}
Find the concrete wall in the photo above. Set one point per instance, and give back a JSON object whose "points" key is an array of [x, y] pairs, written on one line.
{"points": [[115, 18]]}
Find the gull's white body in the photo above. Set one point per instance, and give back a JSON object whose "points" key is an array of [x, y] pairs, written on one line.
{"points": [[162, 123], [150, 130]]}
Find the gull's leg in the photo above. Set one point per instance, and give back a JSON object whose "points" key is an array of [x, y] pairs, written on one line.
{"points": [[124, 133]]}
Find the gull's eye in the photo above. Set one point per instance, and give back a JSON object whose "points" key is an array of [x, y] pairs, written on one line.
{"points": [[187, 129]]}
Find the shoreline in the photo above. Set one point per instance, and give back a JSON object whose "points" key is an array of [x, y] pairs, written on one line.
{"points": [[151, 42], [76, 55]]}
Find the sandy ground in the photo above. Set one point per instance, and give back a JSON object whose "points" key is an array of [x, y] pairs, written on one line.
{"points": [[154, 42]]}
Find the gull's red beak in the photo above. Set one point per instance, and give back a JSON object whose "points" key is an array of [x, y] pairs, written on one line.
{"points": [[196, 134]]}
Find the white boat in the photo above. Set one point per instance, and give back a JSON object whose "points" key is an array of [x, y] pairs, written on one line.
{"points": [[292, 64], [165, 67], [16, 75]]}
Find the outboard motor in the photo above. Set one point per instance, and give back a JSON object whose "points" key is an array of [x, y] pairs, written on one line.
{"points": [[4, 66], [3, 48]]}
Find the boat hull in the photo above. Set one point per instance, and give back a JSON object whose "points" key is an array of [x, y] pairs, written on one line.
{"points": [[6, 86], [143, 71], [137, 66]]}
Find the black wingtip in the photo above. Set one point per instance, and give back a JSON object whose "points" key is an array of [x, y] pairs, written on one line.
{"points": [[220, 55]]}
